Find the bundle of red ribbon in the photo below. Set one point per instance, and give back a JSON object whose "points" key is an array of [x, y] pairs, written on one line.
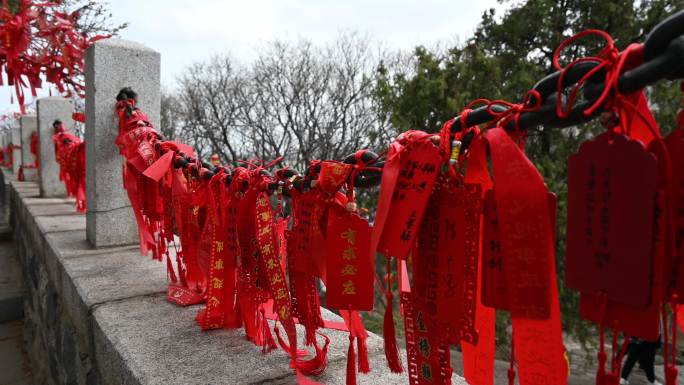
{"points": [[38, 40], [70, 155], [36, 159]]}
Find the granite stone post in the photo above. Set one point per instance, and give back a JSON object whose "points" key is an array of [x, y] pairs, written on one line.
{"points": [[49, 110], [112, 64], [16, 147], [29, 125]]}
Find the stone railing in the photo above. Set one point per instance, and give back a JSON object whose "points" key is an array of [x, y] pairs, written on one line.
{"points": [[95, 309], [100, 315]]}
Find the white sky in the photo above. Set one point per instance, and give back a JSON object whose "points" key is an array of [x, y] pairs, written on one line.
{"points": [[186, 31]]}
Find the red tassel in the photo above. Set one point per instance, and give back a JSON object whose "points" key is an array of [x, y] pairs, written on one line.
{"points": [[267, 337], [511, 368], [351, 362], [259, 335], [671, 375], [511, 376], [390, 337], [304, 380], [314, 366], [364, 366], [284, 345], [601, 374], [310, 336]]}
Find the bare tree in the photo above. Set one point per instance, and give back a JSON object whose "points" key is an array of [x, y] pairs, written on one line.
{"points": [[208, 97], [171, 116], [296, 100]]}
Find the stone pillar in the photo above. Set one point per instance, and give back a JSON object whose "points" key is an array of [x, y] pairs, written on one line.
{"points": [[29, 125], [49, 110], [112, 64], [16, 149]]}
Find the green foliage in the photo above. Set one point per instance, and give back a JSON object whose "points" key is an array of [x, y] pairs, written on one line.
{"points": [[506, 55]]}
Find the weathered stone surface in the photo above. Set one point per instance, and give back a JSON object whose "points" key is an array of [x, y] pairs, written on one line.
{"points": [[101, 278], [16, 149], [50, 224], [28, 125], [114, 276], [112, 64], [156, 342], [48, 110], [11, 290], [28, 192], [14, 367], [52, 209], [74, 244]]}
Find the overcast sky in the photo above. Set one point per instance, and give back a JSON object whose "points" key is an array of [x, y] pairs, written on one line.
{"points": [[186, 31]]}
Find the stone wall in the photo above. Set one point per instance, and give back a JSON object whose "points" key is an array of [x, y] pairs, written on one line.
{"points": [[100, 316], [58, 353]]}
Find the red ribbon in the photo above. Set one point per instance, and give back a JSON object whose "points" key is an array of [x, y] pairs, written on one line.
{"points": [[70, 156]]}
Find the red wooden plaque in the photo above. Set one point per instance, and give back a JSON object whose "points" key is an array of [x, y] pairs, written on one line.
{"points": [[349, 264], [611, 201], [417, 173]]}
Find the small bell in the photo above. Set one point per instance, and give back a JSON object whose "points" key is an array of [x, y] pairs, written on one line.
{"points": [[455, 152]]}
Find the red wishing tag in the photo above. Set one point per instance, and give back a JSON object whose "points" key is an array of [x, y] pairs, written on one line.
{"points": [[675, 147], [182, 296], [332, 176], [494, 292], [306, 237], [493, 279], [664, 227], [611, 192], [427, 356], [641, 322], [160, 167], [525, 231], [539, 351], [446, 260], [349, 264], [404, 194], [478, 360]]}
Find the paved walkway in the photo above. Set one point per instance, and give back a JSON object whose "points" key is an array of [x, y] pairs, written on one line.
{"points": [[14, 365]]}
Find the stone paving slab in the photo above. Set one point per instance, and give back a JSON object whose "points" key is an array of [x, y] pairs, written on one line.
{"points": [[72, 243], [53, 209], [51, 224], [11, 290], [28, 192], [14, 366], [92, 279], [114, 276], [147, 340], [48, 201]]}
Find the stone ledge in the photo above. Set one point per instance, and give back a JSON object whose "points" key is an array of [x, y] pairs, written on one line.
{"points": [[118, 323]]}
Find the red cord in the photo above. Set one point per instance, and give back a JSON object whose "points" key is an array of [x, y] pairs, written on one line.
{"points": [[606, 58]]}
